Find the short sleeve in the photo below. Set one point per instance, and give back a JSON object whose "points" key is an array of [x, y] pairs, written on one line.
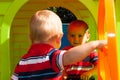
{"points": [[57, 60]]}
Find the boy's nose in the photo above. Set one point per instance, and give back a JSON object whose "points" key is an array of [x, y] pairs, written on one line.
{"points": [[76, 39]]}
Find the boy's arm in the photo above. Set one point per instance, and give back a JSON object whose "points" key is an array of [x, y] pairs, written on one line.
{"points": [[78, 53]]}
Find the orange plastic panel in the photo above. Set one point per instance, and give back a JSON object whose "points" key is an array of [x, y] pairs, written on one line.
{"points": [[108, 67], [112, 45]]}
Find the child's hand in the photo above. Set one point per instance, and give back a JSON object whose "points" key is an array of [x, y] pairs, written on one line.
{"points": [[86, 75], [89, 75]]}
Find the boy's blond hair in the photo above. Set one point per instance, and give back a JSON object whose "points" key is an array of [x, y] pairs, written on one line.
{"points": [[44, 26]]}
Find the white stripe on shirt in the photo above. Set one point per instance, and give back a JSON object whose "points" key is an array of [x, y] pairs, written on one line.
{"points": [[34, 61], [61, 59], [14, 77]]}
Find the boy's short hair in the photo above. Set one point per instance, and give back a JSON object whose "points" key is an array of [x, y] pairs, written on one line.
{"points": [[45, 25], [78, 23]]}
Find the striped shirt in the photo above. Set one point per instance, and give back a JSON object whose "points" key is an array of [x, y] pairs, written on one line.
{"points": [[42, 62]]}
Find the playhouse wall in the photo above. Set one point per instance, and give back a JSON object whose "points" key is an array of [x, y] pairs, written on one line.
{"points": [[14, 26]]}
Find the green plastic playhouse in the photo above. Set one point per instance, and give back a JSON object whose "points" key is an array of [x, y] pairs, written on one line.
{"points": [[14, 23]]}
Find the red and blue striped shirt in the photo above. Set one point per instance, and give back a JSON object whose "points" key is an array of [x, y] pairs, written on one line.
{"points": [[82, 66], [42, 62]]}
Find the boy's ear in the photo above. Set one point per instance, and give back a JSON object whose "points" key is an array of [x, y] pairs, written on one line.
{"points": [[88, 35], [59, 37], [58, 41]]}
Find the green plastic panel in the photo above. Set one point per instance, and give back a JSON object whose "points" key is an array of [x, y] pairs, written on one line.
{"points": [[14, 32]]}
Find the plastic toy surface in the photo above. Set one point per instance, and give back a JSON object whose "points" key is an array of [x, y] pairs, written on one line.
{"points": [[108, 57]]}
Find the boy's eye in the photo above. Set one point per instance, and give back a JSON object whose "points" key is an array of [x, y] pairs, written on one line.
{"points": [[72, 35], [79, 35]]}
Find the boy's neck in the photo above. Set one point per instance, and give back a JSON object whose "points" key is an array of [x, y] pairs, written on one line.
{"points": [[52, 43]]}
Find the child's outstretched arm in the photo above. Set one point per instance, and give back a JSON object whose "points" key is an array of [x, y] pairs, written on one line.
{"points": [[78, 53]]}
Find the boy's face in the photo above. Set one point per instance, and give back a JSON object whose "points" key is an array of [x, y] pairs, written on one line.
{"points": [[77, 36]]}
